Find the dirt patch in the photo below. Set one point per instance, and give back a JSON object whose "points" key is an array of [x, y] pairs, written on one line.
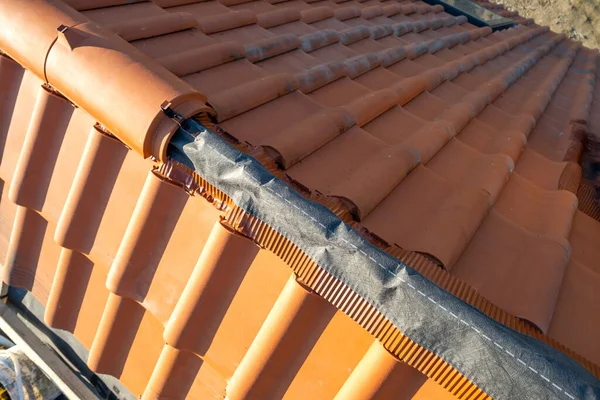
{"points": [[578, 19]]}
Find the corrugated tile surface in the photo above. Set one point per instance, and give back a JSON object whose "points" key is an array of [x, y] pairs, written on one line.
{"points": [[432, 135]]}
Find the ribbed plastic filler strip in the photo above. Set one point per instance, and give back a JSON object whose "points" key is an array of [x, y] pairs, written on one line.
{"points": [[412, 316]]}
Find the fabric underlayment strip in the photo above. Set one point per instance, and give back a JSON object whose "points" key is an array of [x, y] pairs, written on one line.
{"points": [[504, 363]]}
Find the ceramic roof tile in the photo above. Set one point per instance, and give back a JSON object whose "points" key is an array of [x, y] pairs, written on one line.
{"points": [[582, 237], [578, 293], [436, 208], [379, 374], [431, 136], [560, 204], [485, 171], [521, 262]]}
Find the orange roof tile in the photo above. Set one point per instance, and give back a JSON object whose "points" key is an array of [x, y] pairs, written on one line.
{"points": [[439, 141]]}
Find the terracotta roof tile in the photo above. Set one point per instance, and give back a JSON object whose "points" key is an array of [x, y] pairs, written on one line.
{"points": [[517, 203], [485, 171], [525, 264], [578, 293], [379, 374], [436, 139], [437, 208]]}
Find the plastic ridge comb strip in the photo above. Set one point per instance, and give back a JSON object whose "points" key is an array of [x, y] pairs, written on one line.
{"points": [[516, 366]]}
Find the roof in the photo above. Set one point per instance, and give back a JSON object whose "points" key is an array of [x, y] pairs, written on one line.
{"points": [[445, 144]]}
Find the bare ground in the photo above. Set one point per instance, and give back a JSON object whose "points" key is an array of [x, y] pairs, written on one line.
{"points": [[578, 19]]}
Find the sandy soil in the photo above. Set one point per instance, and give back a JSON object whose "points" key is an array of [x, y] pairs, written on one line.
{"points": [[579, 19]]}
